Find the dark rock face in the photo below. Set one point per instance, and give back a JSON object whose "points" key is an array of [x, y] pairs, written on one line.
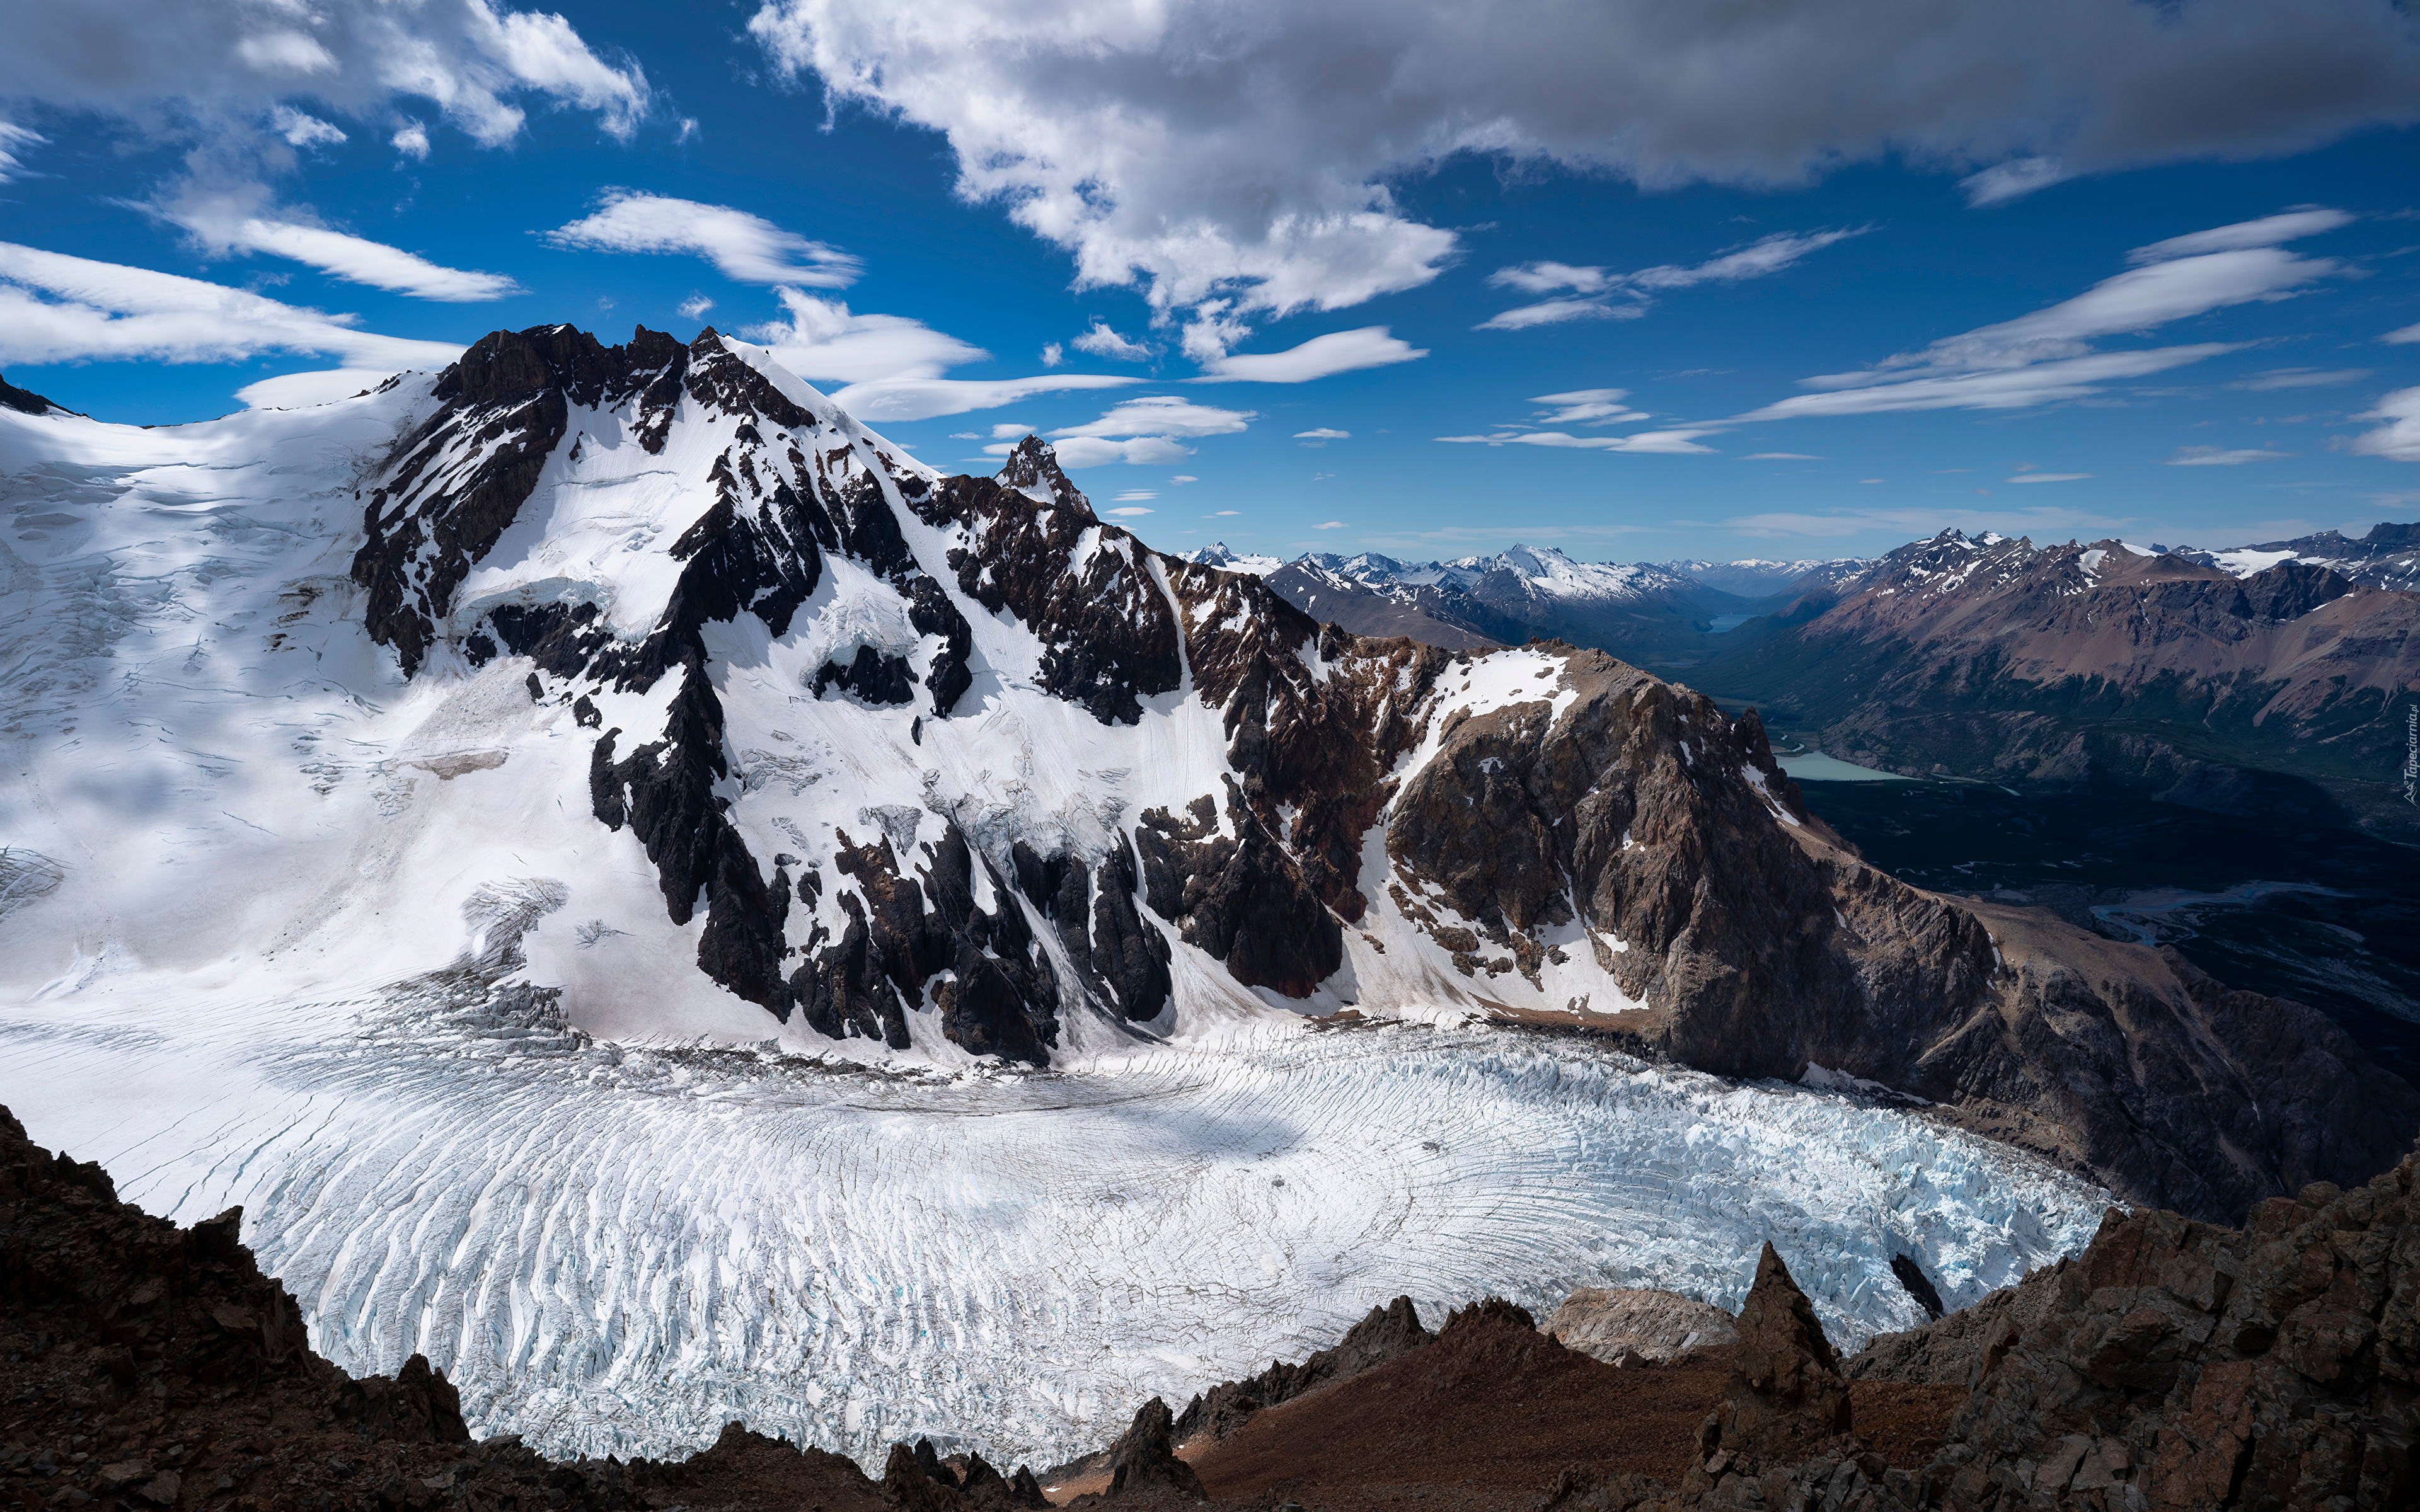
{"points": [[1760, 944], [1144, 1458], [1387, 1332], [25, 401], [1787, 1394], [1088, 590]]}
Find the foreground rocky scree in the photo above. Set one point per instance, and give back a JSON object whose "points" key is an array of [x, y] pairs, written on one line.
{"points": [[2174, 1365]]}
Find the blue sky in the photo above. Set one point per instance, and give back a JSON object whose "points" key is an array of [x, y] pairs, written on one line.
{"points": [[1627, 278]]}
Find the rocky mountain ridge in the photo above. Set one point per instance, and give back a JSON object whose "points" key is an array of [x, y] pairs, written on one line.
{"points": [[2280, 688]]}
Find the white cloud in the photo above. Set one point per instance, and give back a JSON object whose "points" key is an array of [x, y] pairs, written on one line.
{"points": [[2012, 179], [1242, 149], [15, 139], [2268, 231], [354, 259], [1556, 312], [1547, 277], [1101, 341], [1329, 525], [1323, 433], [1079, 451], [1587, 406], [745, 248], [1160, 415], [2137, 299], [1760, 258], [1051, 353], [821, 341], [55, 308], [298, 391], [2404, 337], [2014, 388], [1129, 512], [883, 400], [1009, 430], [2398, 440], [2300, 378], [1135, 496], [1338, 351], [1787, 456], [694, 307], [1651, 442], [156, 60], [2219, 457], [412, 141], [2042, 477], [302, 130], [1755, 259], [1187, 477], [2047, 357]]}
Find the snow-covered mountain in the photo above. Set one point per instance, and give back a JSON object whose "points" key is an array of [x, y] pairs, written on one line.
{"points": [[646, 671], [588, 847], [1756, 577], [2386, 557]]}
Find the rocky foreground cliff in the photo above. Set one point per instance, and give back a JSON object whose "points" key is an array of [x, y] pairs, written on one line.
{"points": [[2173, 1365]]}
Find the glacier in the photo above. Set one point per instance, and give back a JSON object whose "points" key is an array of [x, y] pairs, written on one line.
{"points": [[619, 1248]]}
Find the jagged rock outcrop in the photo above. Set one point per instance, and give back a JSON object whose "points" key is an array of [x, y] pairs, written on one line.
{"points": [[1385, 1334], [1144, 1458], [1640, 1326], [1787, 1393], [2172, 1365]]}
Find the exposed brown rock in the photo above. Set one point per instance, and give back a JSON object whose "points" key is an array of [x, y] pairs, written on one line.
{"points": [[1144, 1458], [1787, 1393]]}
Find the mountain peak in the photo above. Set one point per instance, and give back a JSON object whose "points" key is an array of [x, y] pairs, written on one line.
{"points": [[1032, 470]]}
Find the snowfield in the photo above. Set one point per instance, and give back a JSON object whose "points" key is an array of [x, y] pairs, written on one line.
{"points": [[280, 928], [615, 1248]]}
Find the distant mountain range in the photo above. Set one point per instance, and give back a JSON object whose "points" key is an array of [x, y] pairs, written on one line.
{"points": [[2274, 679], [2271, 677], [1657, 614]]}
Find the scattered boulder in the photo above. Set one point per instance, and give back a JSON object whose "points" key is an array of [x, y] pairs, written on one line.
{"points": [[1644, 1325]]}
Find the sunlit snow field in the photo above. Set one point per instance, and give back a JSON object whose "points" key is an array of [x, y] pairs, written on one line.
{"points": [[611, 1249]]}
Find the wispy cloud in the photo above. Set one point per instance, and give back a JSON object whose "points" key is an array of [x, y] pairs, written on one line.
{"points": [[2219, 457], [1338, 351], [1597, 294], [2398, 440], [57, 309], [2300, 378], [2048, 356], [745, 248], [2050, 477], [1653, 442]]}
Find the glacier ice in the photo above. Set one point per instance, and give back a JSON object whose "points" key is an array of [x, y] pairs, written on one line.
{"points": [[613, 1248]]}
